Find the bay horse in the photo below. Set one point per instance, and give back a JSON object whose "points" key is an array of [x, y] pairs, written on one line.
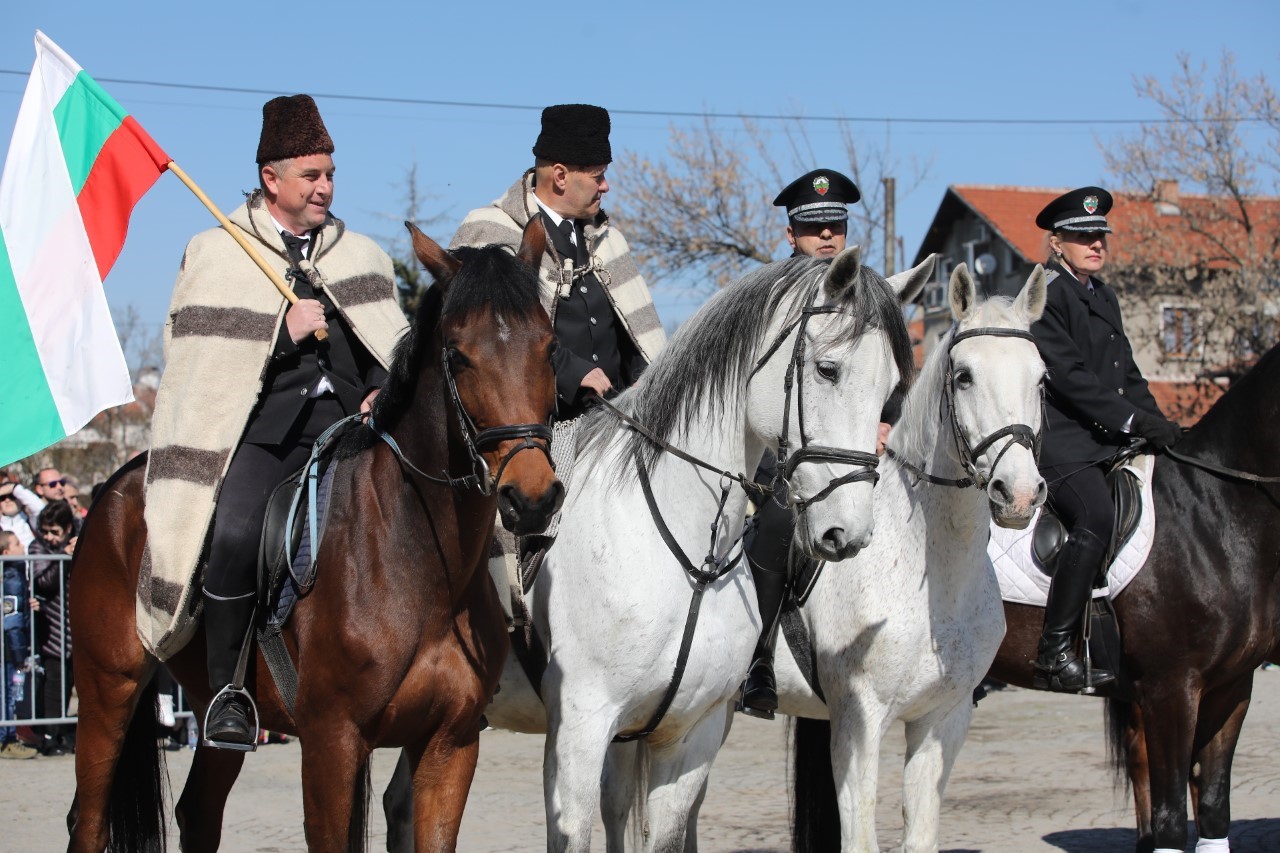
{"points": [[906, 629], [1197, 621], [648, 639], [402, 638]]}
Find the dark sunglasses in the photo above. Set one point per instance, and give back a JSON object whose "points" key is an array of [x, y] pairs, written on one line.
{"points": [[8, 496], [61, 482]]}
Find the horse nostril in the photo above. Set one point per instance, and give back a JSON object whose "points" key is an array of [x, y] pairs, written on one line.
{"points": [[835, 539], [1042, 493], [999, 489]]}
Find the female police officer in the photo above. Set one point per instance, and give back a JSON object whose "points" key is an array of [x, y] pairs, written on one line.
{"points": [[1096, 402]]}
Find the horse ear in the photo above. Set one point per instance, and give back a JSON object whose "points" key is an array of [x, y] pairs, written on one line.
{"points": [[442, 265], [908, 283], [844, 271], [533, 243], [1031, 299], [964, 295]]}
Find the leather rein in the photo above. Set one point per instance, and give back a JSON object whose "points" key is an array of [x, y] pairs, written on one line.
{"points": [[1016, 433], [476, 440]]}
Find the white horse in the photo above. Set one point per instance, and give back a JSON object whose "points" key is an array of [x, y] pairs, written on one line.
{"points": [[613, 603], [907, 628]]}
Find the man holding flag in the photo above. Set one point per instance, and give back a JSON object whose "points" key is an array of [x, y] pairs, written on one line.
{"points": [[248, 388]]}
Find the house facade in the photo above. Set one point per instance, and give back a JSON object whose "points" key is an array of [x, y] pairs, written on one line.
{"points": [[1198, 278]]}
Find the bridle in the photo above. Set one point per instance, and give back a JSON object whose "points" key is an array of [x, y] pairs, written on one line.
{"points": [[788, 462], [1018, 434], [476, 441]]}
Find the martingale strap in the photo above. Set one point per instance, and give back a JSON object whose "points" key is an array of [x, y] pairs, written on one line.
{"points": [[702, 577]]}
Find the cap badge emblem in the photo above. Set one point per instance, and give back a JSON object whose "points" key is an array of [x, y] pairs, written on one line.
{"points": [[821, 185], [1090, 204]]}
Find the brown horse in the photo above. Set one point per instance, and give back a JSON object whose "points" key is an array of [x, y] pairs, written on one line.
{"points": [[1197, 621], [401, 640]]}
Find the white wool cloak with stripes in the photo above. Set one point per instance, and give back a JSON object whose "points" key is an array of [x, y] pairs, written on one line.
{"points": [[222, 326], [504, 221]]}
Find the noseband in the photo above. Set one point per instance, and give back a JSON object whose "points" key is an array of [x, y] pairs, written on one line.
{"points": [[788, 462], [1018, 434], [476, 441]]}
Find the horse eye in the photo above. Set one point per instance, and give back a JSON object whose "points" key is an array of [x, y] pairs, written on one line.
{"points": [[828, 370], [553, 348], [457, 361], [964, 379]]}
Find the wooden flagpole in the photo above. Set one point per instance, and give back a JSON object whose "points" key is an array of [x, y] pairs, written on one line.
{"points": [[238, 236]]}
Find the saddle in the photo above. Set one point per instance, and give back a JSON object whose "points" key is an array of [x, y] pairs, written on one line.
{"points": [[1126, 493], [1101, 634], [292, 530]]}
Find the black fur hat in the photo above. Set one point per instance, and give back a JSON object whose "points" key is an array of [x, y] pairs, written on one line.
{"points": [[574, 134], [292, 127]]}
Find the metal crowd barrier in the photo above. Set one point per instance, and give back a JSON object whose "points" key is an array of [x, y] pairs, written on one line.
{"points": [[24, 679]]}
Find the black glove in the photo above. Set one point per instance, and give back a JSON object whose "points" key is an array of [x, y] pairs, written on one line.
{"points": [[1159, 432]]}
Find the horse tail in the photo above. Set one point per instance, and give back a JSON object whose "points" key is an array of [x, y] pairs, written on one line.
{"points": [[1119, 717], [815, 813], [136, 808], [358, 834]]}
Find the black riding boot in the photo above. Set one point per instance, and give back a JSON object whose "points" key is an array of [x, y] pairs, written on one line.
{"points": [[1058, 668], [226, 626], [760, 692]]}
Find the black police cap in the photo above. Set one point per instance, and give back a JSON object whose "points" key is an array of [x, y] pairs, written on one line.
{"points": [[1084, 209], [822, 195]]}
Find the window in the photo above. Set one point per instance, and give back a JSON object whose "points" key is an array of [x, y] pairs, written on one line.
{"points": [[1178, 331]]}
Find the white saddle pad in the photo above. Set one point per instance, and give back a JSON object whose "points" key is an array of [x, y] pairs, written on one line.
{"points": [[1023, 581]]}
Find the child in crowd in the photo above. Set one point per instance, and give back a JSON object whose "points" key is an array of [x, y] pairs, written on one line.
{"points": [[51, 582], [15, 642]]}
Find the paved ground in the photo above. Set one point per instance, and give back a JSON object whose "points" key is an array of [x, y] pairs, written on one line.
{"points": [[1032, 777]]}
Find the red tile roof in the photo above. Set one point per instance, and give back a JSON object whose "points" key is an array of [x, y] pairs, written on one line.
{"points": [[1011, 213], [1186, 402]]}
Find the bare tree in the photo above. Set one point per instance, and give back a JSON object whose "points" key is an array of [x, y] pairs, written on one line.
{"points": [[410, 281], [1208, 236], [703, 215]]}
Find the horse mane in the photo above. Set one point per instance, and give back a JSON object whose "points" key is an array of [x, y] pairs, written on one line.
{"points": [[491, 278], [713, 353], [923, 412], [1232, 413]]}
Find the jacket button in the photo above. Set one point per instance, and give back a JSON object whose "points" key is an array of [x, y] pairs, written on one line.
{"points": [[593, 321], [1116, 363], [302, 393], [1120, 391], [1113, 336], [582, 287], [595, 357]]}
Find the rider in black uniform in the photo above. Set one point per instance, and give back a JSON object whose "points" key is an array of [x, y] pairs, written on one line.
{"points": [[1096, 402], [817, 220]]}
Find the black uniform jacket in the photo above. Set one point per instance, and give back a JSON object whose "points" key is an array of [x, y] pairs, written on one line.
{"points": [[1093, 387], [295, 369], [587, 334]]}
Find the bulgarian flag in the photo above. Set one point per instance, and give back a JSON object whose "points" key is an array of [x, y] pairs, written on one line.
{"points": [[77, 165]]}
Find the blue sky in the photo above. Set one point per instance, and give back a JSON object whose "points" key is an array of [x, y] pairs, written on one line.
{"points": [[966, 60]]}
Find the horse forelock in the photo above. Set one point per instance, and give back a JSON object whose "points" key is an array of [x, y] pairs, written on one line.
{"points": [[916, 433], [490, 279]]}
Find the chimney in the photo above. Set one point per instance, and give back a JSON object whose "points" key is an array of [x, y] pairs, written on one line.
{"points": [[1166, 197]]}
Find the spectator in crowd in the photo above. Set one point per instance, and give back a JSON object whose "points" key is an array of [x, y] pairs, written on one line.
{"points": [[51, 485], [19, 507], [73, 499], [15, 642], [51, 585]]}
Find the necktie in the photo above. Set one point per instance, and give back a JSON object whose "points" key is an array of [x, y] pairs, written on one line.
{"points": [[567, 228], [301, 283], [293, 245]]}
